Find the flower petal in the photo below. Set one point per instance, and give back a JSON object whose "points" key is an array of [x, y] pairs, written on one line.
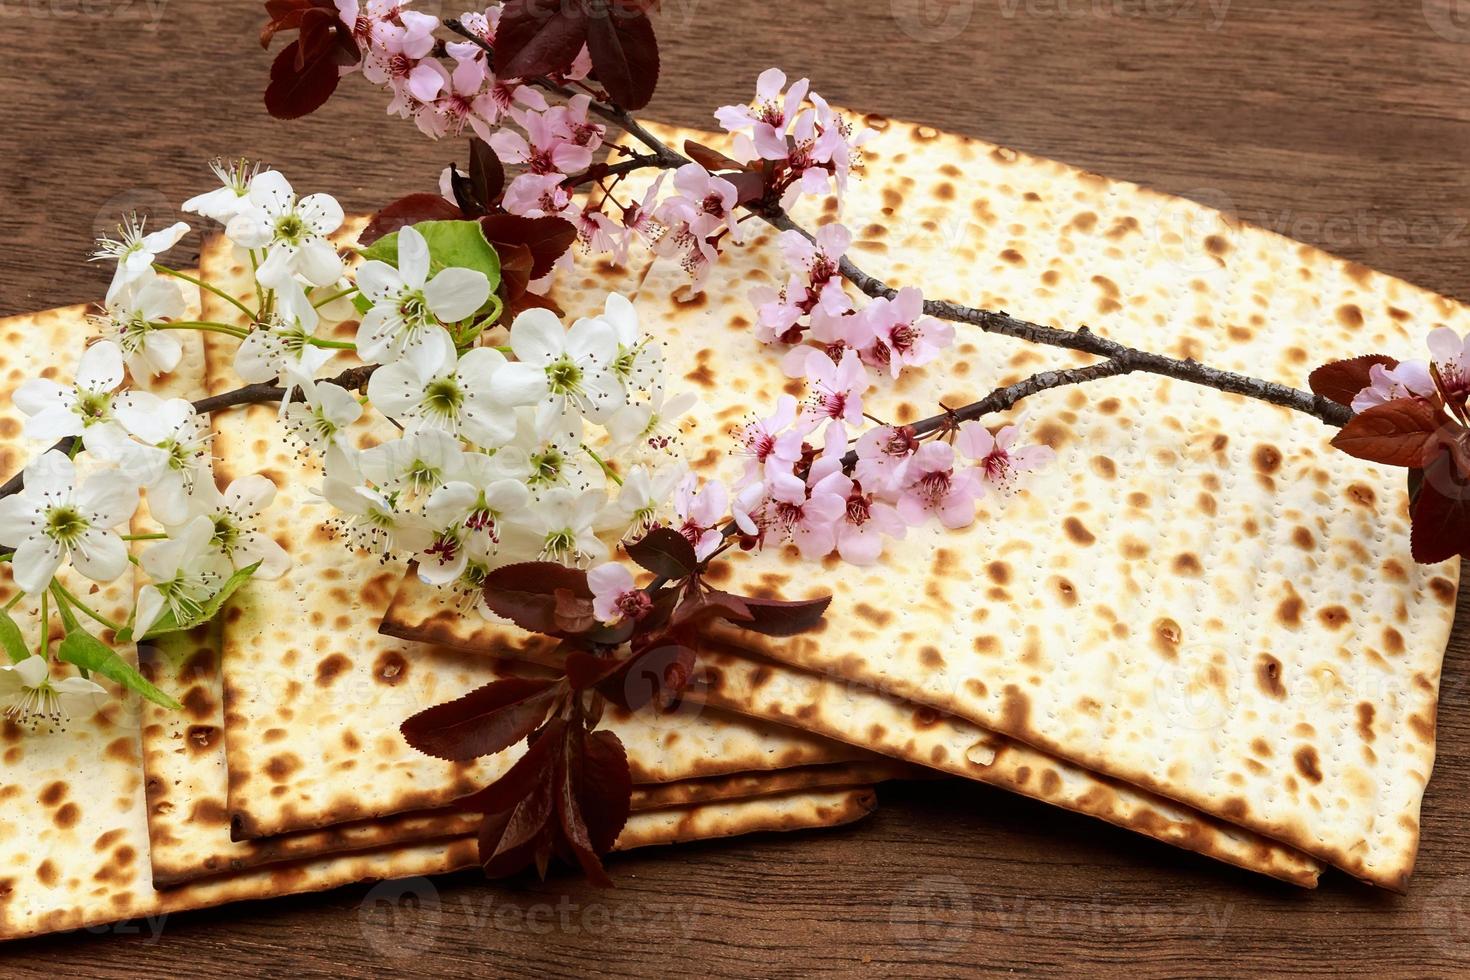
{"points": [[457, 293], [100, 555], [537, 337]]}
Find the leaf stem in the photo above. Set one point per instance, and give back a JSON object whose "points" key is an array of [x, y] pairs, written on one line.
{"points": [[207, 326], [607, 470], [334, 297], [63, 594], [206, 286]]}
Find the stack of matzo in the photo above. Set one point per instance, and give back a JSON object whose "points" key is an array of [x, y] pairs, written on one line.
{"points": [[1202, 622]]}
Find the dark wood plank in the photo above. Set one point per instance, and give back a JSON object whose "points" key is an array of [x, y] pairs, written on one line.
{"points": [[1342, 123]]}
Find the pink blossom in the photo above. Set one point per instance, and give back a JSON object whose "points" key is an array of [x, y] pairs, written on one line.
{"points": [[835, 148], [771, 444], [638, 216], [866, 520], [598, 233], [695, 252], [820, 262], [999, 463], [534, 195], [837, 390], [902, 335], [570, 122], [699, 512], [832, 335], [935, 487], [703, 202], [761, 129], [463, 101], [549, 151], [614, 595], [786, 506], [1410, 379], [883, 455]]}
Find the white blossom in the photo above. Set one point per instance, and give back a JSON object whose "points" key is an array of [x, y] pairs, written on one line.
{"points": [[185, 572], [132, 317], [31, 699], [52, 520], [233, 515], [407, 302], [556, 367], [433, 386], [136, 251], [293, 233]]}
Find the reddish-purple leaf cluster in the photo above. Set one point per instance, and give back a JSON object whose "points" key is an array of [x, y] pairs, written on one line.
{"points": [[568, 796], [1430, 436], [544, 37], [305, 73]]}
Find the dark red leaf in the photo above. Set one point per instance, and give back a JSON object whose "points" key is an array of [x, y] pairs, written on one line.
{"points": [[511, 840], [1403, 432], [1342, 380], [1441, 513], [539, 37], [546, 237], [701, 608], [624, 54], [525, 593], [405, 211], [487, 175], [485, 721], [286, 15], [607, 789], [710, 159], [294, 92], [574, 613], [665, 552], [539, 762], [586, 670], [774, 617], [750, 186]]}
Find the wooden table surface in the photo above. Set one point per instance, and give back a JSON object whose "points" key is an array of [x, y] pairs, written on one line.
{"points": [[1345, 124]]}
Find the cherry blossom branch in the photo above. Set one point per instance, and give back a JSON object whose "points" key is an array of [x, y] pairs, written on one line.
{"points": [[352, 379], [1083, 339], [990, 321]]}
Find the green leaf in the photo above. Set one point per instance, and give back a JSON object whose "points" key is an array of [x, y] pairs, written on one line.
{"points": [[451, 244], [12, 639], [168, 624], [91, 654]]}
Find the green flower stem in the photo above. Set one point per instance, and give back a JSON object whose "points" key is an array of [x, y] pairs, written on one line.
{"points": [[607, 470], [331, 344], [155, 536], [254, 268], [208, 326], [334, 297], [46, 625], [64, 595], [204, 285], [14, 601]]}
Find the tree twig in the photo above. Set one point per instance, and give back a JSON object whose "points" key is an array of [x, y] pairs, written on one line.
{"points": [[352, 379]]}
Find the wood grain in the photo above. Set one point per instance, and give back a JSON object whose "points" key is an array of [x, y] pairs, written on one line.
{"points": [[1345, 124]]}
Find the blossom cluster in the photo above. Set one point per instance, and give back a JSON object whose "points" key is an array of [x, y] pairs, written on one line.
{"points": [[807, 146]]}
